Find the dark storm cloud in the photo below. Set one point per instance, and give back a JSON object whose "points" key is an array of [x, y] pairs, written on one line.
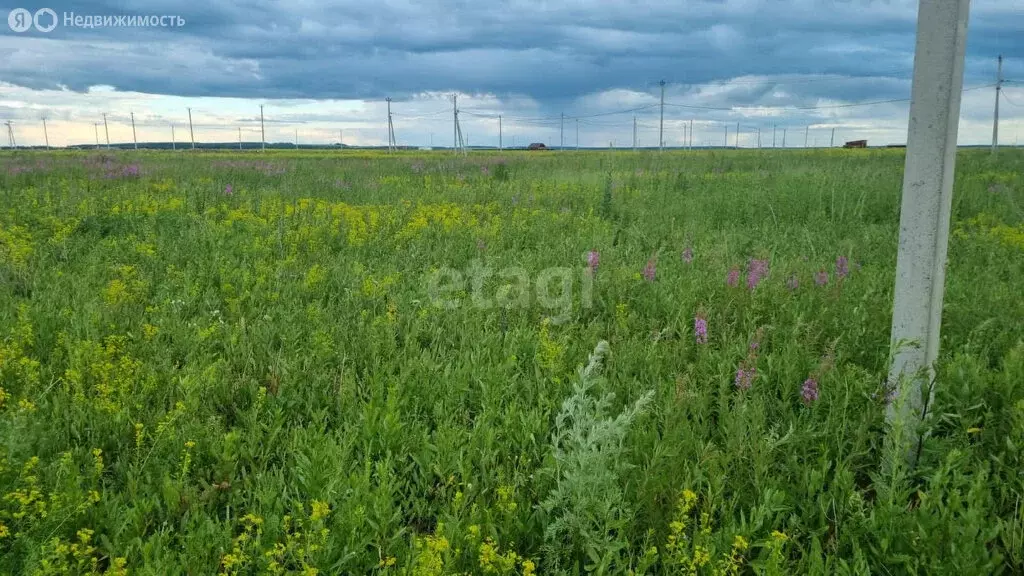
{"points": [[553, 52]]}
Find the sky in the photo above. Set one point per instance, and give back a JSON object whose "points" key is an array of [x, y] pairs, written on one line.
{"points": [[322, 69]]}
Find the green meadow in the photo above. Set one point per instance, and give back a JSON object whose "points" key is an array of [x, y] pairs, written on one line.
{"points": [[519, 363]]}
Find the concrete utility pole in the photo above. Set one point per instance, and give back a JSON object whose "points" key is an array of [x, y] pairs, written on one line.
{"points": [[661, 125], [500, 146], [455, 122], [174, 145], [925, 215], [391, 129], [135, 140], [737, 135], [634, 133], [191, 132], [106, 130], [46, 135], [773, 134], [239, 137], [783, 137], [725, 143], [263, 134], [577, 134], [10, 135], [691, 133], [758, 136], [96, 129], [832, 142], [807, 132], [995, 119], [561, 133]]}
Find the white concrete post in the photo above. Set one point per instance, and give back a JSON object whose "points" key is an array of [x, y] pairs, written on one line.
{"points": [[925, 212]]}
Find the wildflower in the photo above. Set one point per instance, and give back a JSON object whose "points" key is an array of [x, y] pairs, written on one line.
{"points": [[688, 255], [733, 279], [650, 270], [756, 270], [593, 260], [320, 510], [809, 392], [700, 329], [228, 190], [792, 283], [481, 245], [821, 278], [745, 377], [842, 267]]}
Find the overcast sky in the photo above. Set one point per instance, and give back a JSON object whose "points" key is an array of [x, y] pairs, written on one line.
{"points": [[320, 67]]}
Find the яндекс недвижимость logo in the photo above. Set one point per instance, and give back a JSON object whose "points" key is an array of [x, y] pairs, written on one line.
{"points": [[46, 20], [20, 20]]}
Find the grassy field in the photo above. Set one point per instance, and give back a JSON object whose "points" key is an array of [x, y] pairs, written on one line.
{"points": [[548, 363]]}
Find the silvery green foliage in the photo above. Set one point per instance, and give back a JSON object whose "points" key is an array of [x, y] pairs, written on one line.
{"points": [[586, 504]]}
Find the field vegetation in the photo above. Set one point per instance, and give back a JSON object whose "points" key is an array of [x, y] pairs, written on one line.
{"points": [[653, 363]]}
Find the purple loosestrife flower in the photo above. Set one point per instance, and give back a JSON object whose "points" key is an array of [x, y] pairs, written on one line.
{"points": [[793, 283], [650, 270], [842, 267], [228, 190], [745, 377], [756, 270], [809, 392], [733, 279], [688, 255], [700, 329], [593, 260], [821, 278]]}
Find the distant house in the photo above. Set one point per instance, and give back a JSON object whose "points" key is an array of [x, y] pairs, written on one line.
{"points": [[537, 146], [856, 144]]}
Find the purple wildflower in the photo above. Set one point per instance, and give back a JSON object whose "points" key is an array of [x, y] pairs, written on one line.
{"points": [[484, 170], [809, 392], [733, 279], [793, 283], [228, 190], [757, 270], [842, 267], [745, 377], [593, 260], [650, 270], [481, 245], [688, 255], [700, 329], [821, 278]]}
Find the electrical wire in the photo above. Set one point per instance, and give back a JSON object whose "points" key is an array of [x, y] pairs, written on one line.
{"points": [[1009, 100]]}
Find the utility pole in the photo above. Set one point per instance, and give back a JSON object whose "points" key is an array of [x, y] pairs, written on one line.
{"points": [[96, 129], [191, 132], [924, 218], [46, 135], [239, 137], [174, 145], [758, 136], [10, 135], [455, 122], [135, 140], [391, 129], [341, 138], [783, 137], [691, 133], [634, 133], [263, 134], [737, 135], [661, 124], [807, 132], [561, 133], [296, 138], [500, 146], [832, 142], [725, 143], [773, 134], [577, 134], [995, 120], [106, 130]]}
